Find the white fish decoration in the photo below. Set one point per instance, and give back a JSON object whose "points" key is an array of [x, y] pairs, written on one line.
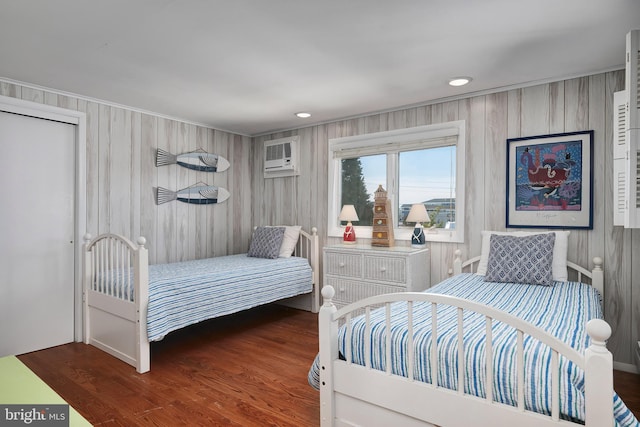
{"points": [[196, 194], [198, 160]]}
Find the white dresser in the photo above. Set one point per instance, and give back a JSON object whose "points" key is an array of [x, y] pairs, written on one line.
{"points": [[360, 271]]}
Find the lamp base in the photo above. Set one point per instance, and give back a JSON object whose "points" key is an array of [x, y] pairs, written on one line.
{"points": [[417, 237], [349, 236]]}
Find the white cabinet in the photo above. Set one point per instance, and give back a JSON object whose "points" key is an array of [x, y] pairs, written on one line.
{"points": [[361, 271]]}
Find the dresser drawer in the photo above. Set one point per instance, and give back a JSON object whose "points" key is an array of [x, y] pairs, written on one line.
{"points": [[343, 264], [351, 290], [385, 269]]}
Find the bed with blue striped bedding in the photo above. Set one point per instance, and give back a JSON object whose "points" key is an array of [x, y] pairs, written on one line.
{"points": [[562, 309], [184, 293]]}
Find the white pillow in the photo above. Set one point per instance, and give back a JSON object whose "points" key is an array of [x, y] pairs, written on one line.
{"points": [[560, 248], [291, 235]]}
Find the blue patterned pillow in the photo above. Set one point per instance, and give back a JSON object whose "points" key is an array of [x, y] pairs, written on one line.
{"points": [[266, 242], [521, 259]]}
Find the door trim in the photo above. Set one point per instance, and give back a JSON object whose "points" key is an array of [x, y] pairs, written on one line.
{"points": [[79, 119]]}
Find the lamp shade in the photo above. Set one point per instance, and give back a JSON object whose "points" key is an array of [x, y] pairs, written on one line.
{"points": [[418, 213], [348, 213]]}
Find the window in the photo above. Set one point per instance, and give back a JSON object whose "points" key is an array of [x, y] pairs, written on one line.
{"points": [[423, 164], [428, 176], [359, 175]]}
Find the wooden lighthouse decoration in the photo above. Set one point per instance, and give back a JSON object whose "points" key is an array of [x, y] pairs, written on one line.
{"points": [[382, 220]]}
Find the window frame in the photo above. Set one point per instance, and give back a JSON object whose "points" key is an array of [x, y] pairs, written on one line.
{"points": [[391, 143]]}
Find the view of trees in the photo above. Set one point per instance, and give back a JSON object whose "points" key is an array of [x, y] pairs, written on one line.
{"points": [[354, 191]]}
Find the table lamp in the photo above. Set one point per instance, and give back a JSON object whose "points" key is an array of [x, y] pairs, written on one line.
{"points": [[349, 214], [418, 214]]}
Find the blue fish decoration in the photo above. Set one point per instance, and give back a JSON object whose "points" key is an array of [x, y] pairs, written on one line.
{"points": [[198, 160], [196, 195]]}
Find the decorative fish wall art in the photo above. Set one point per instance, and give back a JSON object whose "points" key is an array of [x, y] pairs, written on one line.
{"points": [[198, 160], [198, 194]]}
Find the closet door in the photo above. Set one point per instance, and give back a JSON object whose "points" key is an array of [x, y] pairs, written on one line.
{"points": [[37, 169]]}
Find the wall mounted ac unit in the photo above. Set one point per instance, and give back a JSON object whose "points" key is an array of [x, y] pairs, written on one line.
{"points": [[281, 157], [619, 156], [626, 140]]}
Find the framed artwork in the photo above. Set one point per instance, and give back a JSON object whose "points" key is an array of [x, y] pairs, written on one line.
{"points": [[550, 181]]}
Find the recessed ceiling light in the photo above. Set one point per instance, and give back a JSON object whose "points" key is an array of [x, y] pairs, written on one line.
{"points": [[459, 81], [303, 115]]}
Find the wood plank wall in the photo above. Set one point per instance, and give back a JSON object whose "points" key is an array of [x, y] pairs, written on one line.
{"points": [[570, 105], [121, 179], [121, 176]]}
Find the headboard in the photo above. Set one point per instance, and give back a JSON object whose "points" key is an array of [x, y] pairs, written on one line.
{"points": [[595, 277]]}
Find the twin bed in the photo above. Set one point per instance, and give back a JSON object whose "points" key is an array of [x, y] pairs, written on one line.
{"points": [[476, 349], [128, 303], [520, 341]]}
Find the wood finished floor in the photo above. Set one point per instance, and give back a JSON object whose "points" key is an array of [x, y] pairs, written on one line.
{"points": [[248, 369]]}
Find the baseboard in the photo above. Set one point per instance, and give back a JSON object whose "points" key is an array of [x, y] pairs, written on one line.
{"points": [[626, 367]]}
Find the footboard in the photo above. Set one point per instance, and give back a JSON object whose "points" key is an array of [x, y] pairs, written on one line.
{"points": [[308, 247], [354, 394], [115, 293]]}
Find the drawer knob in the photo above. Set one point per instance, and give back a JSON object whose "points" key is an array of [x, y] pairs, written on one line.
{"points": [[341, 264], [383, 269]]}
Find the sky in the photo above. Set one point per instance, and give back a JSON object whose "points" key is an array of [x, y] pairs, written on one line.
{"points": [[425, 174]]}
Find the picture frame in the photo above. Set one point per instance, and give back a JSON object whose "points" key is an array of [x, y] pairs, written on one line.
{"points": [[550, 181]]}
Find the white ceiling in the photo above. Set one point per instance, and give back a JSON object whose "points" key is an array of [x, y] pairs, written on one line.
{"points": [[247, 66]]}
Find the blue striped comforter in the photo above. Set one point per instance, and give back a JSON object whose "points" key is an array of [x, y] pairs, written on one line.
{"points": [[184, 293], [562, 309]]}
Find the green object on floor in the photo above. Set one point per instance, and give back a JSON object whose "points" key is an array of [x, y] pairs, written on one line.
{"points": [[19, 385]]}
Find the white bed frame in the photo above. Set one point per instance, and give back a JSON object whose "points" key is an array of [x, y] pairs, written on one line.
{"points": [[118, 324], [352, 395]]}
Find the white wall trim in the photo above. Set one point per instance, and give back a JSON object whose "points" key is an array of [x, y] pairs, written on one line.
{"points": [[77, 118]]}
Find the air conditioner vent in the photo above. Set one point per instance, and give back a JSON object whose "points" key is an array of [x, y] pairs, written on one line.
{"points": [[638, 179], [621, 127], [632, 79], [637, 72], [620, 193], [281, 157], [276, 152], [620, 124]]}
